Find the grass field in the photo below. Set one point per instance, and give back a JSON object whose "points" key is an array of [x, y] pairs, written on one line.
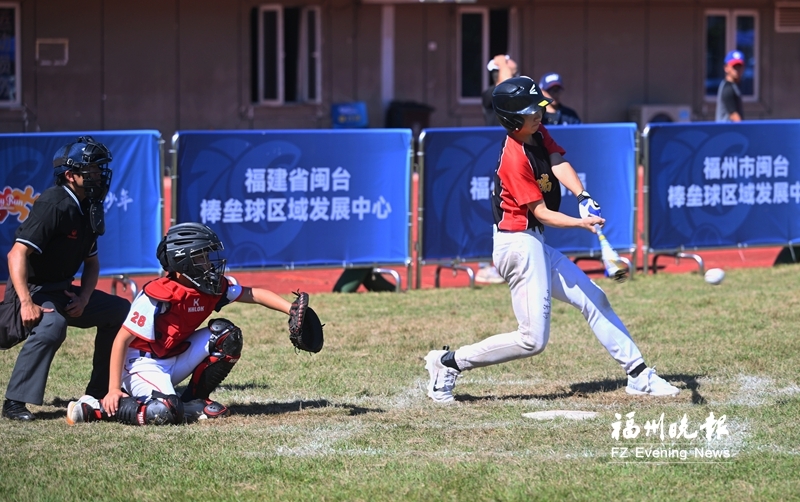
{"points": [[353, 422]]}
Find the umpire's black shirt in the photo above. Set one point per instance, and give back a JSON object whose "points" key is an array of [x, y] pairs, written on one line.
{"points": [[60, 234]]}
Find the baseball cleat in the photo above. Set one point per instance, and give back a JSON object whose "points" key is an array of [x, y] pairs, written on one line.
{"points": [[648, 383], [82, 410], [489, 275], [442, 378]]}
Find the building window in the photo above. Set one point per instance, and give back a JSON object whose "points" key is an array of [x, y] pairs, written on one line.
{"points": [[482, 34], [287, 62], [727, 30], [9, 54]]}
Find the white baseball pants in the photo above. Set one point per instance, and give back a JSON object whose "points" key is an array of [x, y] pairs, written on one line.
{"points": [[535, 273], [142, 374]]}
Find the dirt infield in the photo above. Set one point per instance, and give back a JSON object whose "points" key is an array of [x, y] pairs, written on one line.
{"points": [[322, 280]]}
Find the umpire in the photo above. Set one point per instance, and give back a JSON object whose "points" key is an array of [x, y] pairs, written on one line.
{"points": [[57, 238]]}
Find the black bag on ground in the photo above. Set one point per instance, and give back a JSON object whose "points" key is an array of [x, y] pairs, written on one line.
{"points": [[12, 330]]}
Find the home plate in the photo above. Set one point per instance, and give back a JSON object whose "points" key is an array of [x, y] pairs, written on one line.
{"points": [[568, 414]]}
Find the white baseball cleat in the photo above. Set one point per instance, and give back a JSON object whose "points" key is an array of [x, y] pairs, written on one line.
{"points": [[442, 378], [82, 410], [648, 383], [489, 275]]}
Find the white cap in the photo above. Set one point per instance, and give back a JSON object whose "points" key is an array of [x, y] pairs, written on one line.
{"points": [[491, 66]]}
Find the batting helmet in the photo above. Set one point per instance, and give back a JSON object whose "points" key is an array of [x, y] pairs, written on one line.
{"points": [[76, 156], [186, 249], [516, 97]]}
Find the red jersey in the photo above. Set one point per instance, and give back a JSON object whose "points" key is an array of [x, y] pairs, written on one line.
{"points": [[166, 313], [524, 174]]}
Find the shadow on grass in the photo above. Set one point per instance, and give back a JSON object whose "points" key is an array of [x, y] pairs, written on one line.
{"points": [[239, 409], [238, 386], [584, 389], [294, 406]]}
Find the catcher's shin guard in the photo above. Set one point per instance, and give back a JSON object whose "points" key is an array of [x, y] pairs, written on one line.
{"points": [[158, 409], [224, 348]]}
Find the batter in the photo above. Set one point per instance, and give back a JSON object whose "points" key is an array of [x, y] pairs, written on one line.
{"points": [[526, 198]]}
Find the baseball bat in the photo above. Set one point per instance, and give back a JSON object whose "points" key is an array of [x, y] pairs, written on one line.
{"points": [[615, 268]]}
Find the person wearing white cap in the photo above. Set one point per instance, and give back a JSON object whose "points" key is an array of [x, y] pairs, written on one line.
{"points": [[501, 67], [556, 113], [729, 97]]}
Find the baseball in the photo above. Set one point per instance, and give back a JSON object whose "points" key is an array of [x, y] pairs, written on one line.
{"points": [[714, 276]]}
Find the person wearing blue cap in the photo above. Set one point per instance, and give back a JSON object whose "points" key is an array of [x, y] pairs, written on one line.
{"points": [[556, 113], [729, 97]]}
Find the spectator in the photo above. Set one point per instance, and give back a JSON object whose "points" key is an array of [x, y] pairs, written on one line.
{"points": [[729, 97], [556, 113], [501, 67]]}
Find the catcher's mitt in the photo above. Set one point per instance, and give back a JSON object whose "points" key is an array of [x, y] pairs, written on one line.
{"points": [[305, 328]]}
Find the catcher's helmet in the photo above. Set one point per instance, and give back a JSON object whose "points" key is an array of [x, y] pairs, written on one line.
{"points": [[76, 156], [516, 97], [186, 249]]}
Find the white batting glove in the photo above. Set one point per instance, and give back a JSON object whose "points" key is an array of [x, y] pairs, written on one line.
{"points": [[588, 206]]}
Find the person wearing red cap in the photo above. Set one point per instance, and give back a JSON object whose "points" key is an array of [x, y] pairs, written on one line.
{"points": [[729, 97]]}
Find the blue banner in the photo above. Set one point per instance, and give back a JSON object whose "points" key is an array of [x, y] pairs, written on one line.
{"points": [[294, 198], [132, 206], [722, 185], [459, 171]]}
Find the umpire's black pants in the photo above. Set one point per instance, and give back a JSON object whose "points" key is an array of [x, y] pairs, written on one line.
{"points": [[106, 312]]}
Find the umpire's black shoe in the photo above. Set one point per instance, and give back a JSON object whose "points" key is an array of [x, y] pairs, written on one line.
{"points": [[16, 410]]}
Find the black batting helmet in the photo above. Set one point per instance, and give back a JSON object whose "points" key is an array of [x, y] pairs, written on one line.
{"points": [[516, 97], [187, 249]]}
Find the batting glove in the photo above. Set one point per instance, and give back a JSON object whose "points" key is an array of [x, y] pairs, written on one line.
{"points": [[588, 206]]}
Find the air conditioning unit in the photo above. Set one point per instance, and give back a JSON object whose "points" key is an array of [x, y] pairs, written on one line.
{"points": [[649, 114], [787, 17]]}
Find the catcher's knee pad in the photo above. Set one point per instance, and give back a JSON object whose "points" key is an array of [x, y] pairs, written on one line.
{"points": [[158, 409], [224, 348], [226, 339]]}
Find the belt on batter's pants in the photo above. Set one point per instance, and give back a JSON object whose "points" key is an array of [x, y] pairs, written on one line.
{"points": [[146, 354], [539, 228]]}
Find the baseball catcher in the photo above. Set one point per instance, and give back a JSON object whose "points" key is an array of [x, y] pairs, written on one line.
{"points": [[167, 337], [305, 329]]}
